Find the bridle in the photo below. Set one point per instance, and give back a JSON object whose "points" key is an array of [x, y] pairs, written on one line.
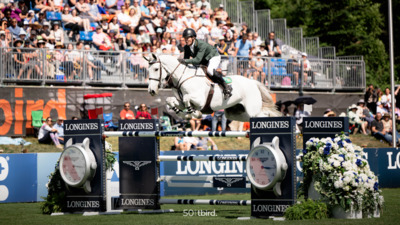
{"points": [[168, 78]]}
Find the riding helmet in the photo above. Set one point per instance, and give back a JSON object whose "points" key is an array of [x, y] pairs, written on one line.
{"points": [[189, 32]]}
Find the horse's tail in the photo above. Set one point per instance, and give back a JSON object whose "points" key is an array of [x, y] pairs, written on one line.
{"points": [[268, 105]]}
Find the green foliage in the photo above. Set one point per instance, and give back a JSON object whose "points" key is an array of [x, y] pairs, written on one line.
{"points": [[353, 27], [55, 201], [308, 209]]}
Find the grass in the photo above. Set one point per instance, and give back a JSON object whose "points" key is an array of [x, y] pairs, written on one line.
{"points": [[29, 213], [223, 143]]}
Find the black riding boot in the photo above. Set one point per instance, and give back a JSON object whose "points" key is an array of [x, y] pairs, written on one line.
{"points": [[227, 89]]}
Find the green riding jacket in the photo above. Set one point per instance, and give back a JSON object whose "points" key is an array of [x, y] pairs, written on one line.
{"points": [[203, 52]]}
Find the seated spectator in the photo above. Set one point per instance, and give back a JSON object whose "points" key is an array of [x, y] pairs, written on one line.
{"points": [[138, 64], [273, 46], [83, 22], [354, 119], [143, 112], [57, 32], [378, 130], [329, 113], [94, 13], [388, 126], [380, 108], [191, 142], [14, 28], [30, 18], [195, 124], [101, 40], [94, 65], [180, 144], [70, 22], [3, 40], [257, 63], [364, 112], [60, 129], [126, 113], [202, 143], [47, 134], [40, 5]]}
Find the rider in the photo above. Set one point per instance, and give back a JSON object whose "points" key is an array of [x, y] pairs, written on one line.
{"points": [[204, 54]]}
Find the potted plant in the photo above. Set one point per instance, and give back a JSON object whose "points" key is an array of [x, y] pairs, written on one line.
{"points": [[337, 172]]}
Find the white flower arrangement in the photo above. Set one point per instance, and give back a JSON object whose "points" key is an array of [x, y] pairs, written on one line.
{"points": [[341, 174]]}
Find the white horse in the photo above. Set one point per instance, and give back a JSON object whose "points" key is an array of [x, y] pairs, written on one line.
{"points": [[191, 89]]}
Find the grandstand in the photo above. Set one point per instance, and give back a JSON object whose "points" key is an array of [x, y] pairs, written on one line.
{"points": [[94, 44]]}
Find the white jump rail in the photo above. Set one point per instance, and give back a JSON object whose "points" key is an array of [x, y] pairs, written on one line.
{"points": [[205, 202], [177, 133], [192, 181], [202, 158]]}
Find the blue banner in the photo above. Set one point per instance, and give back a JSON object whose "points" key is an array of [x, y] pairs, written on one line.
{"points": [[46, 165], [18, 177]]}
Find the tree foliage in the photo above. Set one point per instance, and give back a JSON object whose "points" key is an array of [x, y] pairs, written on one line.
{"points": [[354, 27]]}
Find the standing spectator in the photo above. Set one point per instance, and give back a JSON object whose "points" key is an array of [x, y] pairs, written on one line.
{"points": [[386, 99], [143, 113], [273, 46], [47, 134], [126, 113], [217, 115], [306, 68], [300, 114], [60, 129], [370, 98], [243, 47]]}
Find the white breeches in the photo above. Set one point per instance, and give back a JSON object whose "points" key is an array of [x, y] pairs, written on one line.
{"points": [[213, 64]]}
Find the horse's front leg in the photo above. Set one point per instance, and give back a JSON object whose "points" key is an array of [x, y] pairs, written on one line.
{"points": [[191, 110], [176, 105]]}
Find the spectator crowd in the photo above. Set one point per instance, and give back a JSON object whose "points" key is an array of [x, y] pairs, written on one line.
{"points": [[137, 26]]}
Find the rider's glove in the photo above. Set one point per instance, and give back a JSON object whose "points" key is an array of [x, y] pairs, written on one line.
{"points": [[182, 61]]}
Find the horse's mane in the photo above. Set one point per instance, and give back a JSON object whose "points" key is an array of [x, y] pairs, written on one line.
{"points": [[169, 59]]}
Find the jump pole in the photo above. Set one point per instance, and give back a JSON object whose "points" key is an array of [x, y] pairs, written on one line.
{"points": [[176, 133]]}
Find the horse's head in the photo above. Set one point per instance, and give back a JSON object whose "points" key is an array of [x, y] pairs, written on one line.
{"points": [[157, 74]]}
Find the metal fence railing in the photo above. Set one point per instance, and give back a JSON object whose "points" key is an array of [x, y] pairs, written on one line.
{"points": [[122, 68], [279, 27], [311, 45], [263, 22], [327, 52], [295, 38], [232, 8], [247, 14]]}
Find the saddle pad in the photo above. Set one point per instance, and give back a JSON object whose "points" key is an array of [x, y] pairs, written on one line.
{"points": [[228, 80]]}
